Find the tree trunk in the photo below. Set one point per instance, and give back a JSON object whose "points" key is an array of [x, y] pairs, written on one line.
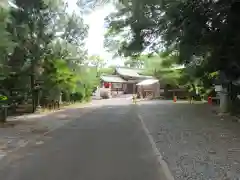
{"points": [[33, 93]]}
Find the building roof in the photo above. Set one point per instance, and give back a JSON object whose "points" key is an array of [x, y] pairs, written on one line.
{"points": [[126, 73], [129, 72], [146, 77], [147, 82], [112, 79]]}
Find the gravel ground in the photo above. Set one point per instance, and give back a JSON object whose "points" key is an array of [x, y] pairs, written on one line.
{"points": [[194, 142]]}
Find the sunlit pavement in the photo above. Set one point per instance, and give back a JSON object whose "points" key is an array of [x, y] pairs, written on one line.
{"points": [[107, 143]]}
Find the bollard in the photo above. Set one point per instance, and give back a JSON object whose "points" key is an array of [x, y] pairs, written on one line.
{"points": [[4, 113], [191, 100], [174, 98], [210, 100], [134, 99]]}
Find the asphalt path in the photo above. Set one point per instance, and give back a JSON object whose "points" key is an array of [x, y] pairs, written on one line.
{"points": [[108, 143]]}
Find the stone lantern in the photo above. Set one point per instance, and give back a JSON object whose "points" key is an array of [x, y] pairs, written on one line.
{"points": [[37, 89]]}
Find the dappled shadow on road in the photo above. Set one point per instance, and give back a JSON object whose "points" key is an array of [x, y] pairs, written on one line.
{"points": [[195, 142], [108, 140], [20, 130]]}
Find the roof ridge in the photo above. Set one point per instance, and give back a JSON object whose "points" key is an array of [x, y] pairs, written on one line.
{"points": [[129, 68], [110, 75]]}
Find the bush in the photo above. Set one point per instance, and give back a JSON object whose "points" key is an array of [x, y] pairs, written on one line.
{"points": [[78, 96]]}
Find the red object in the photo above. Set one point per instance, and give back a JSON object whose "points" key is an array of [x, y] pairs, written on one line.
{"points": [[107, 84], [175, 99], [210, 100]]}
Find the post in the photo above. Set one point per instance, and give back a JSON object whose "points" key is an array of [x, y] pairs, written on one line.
{"points": [[141, 92], [60, 98], [33, 92], [210, 100], [223, 94], [134, 88], [174, 98], [38, 107], [223, 102], [4, 113]]}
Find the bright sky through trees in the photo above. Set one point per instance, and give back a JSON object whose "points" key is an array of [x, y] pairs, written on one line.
{"points": [[95, 39]]}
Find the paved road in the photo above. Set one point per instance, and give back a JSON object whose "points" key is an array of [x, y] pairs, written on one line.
{"points": [[107, 144]]}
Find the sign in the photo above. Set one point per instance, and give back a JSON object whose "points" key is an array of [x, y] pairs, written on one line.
{"points": [[161, 90], [218, 88], [117, 85]]}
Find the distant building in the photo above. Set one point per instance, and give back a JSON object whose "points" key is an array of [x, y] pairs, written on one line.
{"points": [[125, 80]]}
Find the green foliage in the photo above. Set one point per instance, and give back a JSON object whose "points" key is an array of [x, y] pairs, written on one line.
{"points": [[107, 70], [203, 35], [89, 79], [95, 61], [162, 67], [42, 46], [6, 44], [3, 98], [135, 62], [200, 31], [58, 77]]}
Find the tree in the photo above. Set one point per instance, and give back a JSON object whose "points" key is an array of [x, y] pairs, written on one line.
{"points": [[97, 62], [30, 27], [192, 28], [41, 42], [75, 30], [107, 70], [67, 48], [203, 34], [6, 44], [134, 62]]}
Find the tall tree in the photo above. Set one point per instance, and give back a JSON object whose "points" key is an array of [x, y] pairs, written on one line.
{"points": [[203, 34], [30, 27], [97, 62], [42, 35], [6, 44]]}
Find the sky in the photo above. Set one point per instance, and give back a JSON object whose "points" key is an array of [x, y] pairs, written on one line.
{"points": [[95, 20]]}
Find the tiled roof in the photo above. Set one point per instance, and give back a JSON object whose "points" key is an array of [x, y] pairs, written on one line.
{"points": [[128, 72], [112, 78], [146, 77], [148, 82]]}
